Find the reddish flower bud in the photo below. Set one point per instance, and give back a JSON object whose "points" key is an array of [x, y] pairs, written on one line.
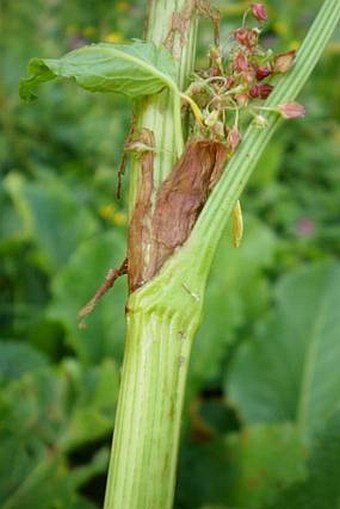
{"points": [[242, 99], [263, 72], [240, 62], [260, 91], [248, 78], [247, 37], [216, 61], [229, 82], [284, 61], [259, 12], [233, 138], [215, 53], [291, 110]]}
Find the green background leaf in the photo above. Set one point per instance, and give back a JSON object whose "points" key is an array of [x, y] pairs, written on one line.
{"points": [[51, 217], [74, 285], [322, 489], [290, 371], [17, 358], [265, 459], [236, 294], [49, 413]]}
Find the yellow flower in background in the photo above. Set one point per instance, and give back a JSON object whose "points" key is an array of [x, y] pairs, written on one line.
{"points": [[123, 7], [89, 31], [112, 215], [72, 30], [113, 37], [280, 28], [120, 218]]}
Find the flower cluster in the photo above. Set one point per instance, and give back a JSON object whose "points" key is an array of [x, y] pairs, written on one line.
{"points": [[241, 81]]}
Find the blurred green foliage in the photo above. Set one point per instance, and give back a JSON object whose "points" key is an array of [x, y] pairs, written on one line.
{"points": [[261, 422]]}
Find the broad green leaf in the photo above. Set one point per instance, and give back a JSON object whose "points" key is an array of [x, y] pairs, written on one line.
{"points": [[236, 294], [136, 70], [322, 488], [40, 417], [264, 459], [83, 503], [209, 506], [95, 395], [32, 415], [204, 474], [290, 371], [73, 287], [52, 484], [52, 218], [17, 358], [46, 486], [240, 470]]}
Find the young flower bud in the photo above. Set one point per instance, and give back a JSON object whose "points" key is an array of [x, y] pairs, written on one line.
{"points": [[284, 61], [216, 61], [218, 130], [229, 82], [233, 138], [260, 121], [240, 62], [291, 110], [247, 37], [248, 77], [260, 91], [259, 12], [211, 119], [241, 99], [262, 72]]}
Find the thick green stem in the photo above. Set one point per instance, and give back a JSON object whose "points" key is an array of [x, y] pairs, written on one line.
{"points": [[158, 338], [142, 473], [161, 113]]}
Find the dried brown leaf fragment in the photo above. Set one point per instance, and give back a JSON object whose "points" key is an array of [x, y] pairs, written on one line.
{"points": [[155, 234]]}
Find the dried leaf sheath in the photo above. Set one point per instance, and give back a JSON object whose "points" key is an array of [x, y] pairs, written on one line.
{"points": [[140, 229], [162, 220], [155, 232]]}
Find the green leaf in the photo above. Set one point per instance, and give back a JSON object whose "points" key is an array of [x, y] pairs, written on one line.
{"points": [[51, 217], [136, 70], [264, 459], [241, 470], [40, 417], [236, 294], [290, 371], [95, 394], [322, 489], [47, 486], [76, 283], [204, 474], [17, 358], [32, 416]]}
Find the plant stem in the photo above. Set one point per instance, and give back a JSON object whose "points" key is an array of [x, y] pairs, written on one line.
{"points": [[142, 473], [158, 337]]}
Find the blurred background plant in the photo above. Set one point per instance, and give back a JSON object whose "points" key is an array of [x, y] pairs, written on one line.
{"points": [[261, 423]]}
